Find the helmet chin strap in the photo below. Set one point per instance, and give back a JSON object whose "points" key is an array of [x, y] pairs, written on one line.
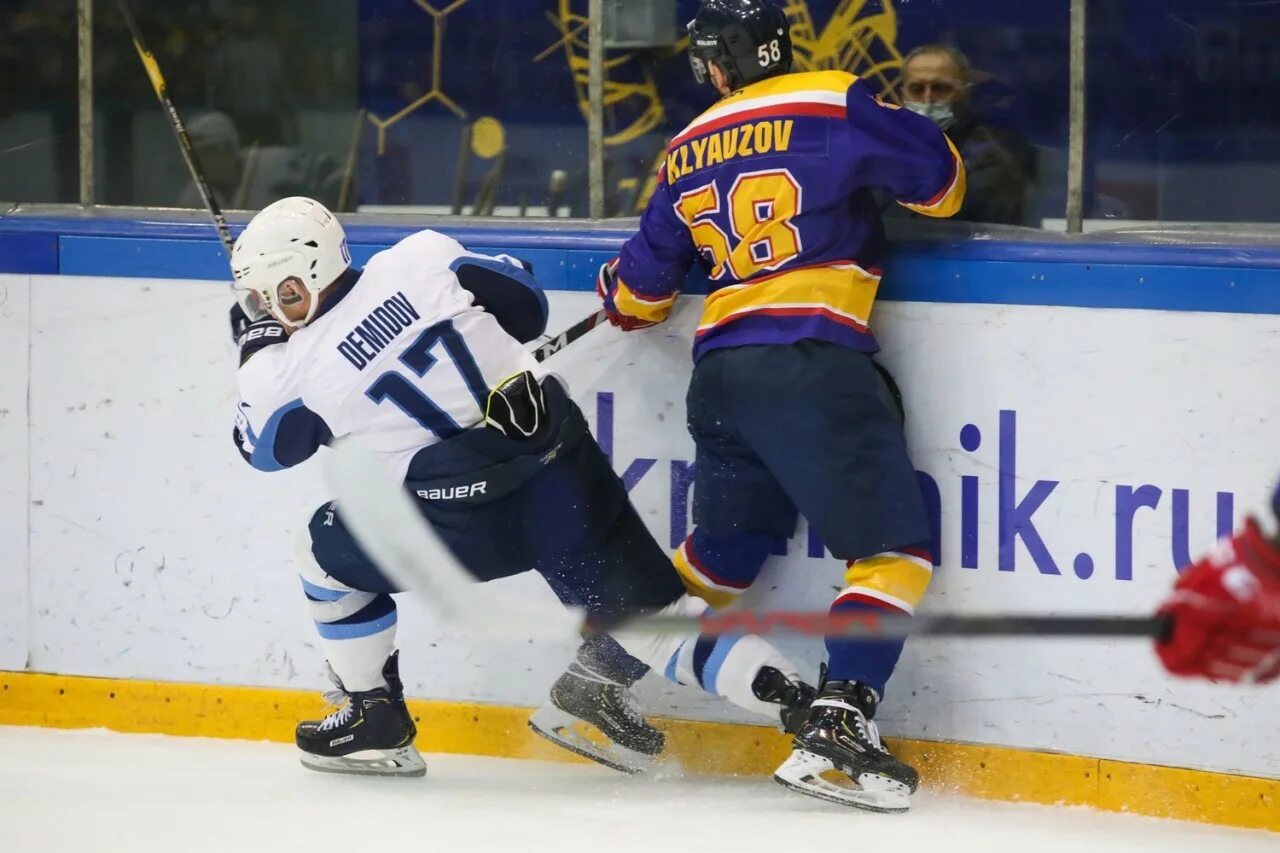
{"points": [[277, 314], [312, 305]]}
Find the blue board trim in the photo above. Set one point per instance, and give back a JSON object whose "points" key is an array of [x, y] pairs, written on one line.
{"points": [[137, 257], [1098, 274], [1237, 290], [1098, 252], [29, 252]]}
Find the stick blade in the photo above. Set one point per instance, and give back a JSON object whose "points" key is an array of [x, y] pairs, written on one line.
{"points": [[384, 520]]}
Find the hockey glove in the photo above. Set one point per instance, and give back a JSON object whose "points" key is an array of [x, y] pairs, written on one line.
{"points": [[257, 335], [1226, 613], [606, 289], [516, 408], [239, 322]]}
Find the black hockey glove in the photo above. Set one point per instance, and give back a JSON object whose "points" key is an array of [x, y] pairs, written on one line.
{"points": [[516, 407], [239, 322], [256, 335]]}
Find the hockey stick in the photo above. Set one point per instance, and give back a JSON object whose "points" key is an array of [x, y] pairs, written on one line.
{"points": [[542, 353], [383, 518], [872, 625], [175, 123], [569, 335]]}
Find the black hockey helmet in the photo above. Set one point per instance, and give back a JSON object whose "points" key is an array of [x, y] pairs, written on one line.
{"points": [[749, 39]]}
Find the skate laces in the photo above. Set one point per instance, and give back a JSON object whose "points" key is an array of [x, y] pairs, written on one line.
{"points": [[872, 732], [860, 727], [865, 730], [627, 705], [340, 716], [622, 699]]}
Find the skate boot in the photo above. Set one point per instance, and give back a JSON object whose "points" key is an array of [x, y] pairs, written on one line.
{"points": [[837, 755], [585, 702], [370, 734], [793, 697]]}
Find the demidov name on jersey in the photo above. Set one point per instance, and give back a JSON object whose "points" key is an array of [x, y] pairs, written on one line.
{"points": [[378, 329]]}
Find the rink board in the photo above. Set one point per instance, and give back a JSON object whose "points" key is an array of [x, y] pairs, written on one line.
{"points": [[695, 747], [138, 545]]}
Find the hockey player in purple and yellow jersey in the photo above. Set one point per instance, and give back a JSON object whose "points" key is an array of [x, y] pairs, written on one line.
{"points": [[771, 189]]}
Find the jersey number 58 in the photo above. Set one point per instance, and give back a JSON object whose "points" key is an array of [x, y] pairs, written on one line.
{"points": [[769, 53], [761, 206]]}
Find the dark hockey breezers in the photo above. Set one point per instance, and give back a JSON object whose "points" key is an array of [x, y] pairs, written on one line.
{"points": [[371, 733]]}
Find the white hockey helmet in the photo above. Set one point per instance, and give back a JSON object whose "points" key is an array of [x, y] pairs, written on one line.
{"points": [[294, 239]]}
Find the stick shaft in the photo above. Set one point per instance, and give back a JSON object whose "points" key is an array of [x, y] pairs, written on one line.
{"points": [[568, 336], [175, 123], [871, 625], [386, 521]]}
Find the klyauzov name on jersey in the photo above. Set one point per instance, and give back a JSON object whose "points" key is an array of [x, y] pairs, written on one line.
{"points": [[758, 137]]}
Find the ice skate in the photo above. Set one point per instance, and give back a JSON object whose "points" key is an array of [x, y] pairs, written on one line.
{"points": [[838, 756], [370, 734], [597, 718], [793, 697]]}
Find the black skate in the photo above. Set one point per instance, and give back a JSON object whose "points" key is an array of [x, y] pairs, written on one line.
{"points": [[584, 696], [794, 697], [371, 733], [839, 740]]}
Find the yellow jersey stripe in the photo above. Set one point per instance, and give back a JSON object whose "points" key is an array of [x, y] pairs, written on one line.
{"points": [[949, 201], [827, 87], [632, 304], [846, 291]]}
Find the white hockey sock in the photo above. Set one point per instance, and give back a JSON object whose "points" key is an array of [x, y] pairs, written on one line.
{"points": [[725, 666], [357, 629]]}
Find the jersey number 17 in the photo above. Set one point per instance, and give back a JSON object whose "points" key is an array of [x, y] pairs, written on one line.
{"points": [[396, 387]]}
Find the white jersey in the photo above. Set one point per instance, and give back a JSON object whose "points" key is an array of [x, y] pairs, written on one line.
{"points": [[400, 356]]}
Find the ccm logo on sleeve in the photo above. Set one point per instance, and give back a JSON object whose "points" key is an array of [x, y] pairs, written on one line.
{"points": [[453, 492]]}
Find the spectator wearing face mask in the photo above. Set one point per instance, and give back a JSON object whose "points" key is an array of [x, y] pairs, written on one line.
{"points": [[936, 83]]}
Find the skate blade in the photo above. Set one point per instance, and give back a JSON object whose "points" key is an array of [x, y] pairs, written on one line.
{"points": [[406, 761], [559, 728], [808, 774]]}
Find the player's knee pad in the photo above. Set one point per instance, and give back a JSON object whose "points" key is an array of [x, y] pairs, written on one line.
{"points": [[718, 569], [339, 611], [891, 580]]}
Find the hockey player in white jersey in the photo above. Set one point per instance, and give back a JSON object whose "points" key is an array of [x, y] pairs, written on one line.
{"points": [[419, 355]]}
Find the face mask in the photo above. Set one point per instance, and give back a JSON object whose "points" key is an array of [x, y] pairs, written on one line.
{"points": [[943, 115]]}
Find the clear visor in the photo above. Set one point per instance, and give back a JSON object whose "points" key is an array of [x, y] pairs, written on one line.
{"points": [[697, 62], [251, 303], [699, 69]]}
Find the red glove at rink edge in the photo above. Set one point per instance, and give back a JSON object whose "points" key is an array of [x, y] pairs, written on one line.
{"points": [[1226, 613], [606, 288]]}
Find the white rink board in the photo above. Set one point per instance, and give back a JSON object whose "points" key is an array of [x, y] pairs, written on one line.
{"points": [[156, 553], [15, 293]]}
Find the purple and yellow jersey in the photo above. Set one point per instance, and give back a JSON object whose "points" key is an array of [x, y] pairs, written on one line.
{"points": [[771, 188]]}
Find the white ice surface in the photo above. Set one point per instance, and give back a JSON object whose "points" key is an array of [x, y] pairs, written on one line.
{"points": [[100, 791]]}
